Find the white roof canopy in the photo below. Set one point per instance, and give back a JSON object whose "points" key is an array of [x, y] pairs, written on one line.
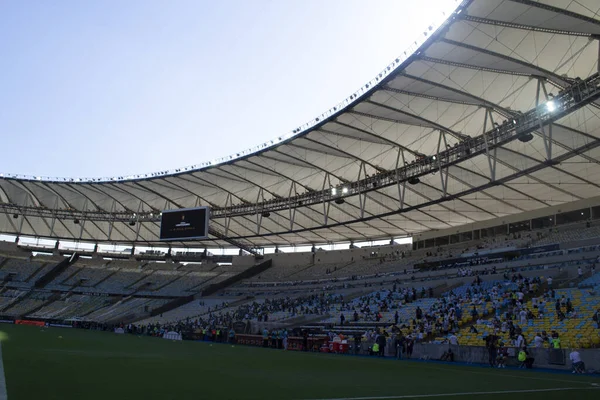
{"points": [[486, 63]]}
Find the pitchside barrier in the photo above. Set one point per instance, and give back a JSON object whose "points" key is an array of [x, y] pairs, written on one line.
{"points": [[293, 343], [172, 336], [544, 357]]}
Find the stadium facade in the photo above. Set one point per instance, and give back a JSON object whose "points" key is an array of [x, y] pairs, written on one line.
{"points": [[493, 113]]}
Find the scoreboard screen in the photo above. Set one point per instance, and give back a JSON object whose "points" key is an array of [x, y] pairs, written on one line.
{"points": [[184, 224]]}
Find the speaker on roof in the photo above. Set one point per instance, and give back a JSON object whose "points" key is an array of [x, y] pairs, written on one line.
{"points": [[414, 180], [526, 137]]}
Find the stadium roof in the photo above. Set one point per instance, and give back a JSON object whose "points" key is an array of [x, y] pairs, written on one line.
{"points": [[488, 62]]}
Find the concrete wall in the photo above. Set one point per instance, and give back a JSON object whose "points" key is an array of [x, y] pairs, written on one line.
{"points": [[542, 212], [326, 257], [479, 355]]}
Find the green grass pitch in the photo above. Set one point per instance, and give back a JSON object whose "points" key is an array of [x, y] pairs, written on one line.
{"points": [[99, 365]]}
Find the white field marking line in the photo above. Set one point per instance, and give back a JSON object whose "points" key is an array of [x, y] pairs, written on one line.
{"points": [[103, 354], [415, 396], [524, 376], [3, 394]]}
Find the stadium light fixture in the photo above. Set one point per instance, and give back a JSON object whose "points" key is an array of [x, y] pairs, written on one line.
{"points": [[550, 106], [433, 158], [345, 190], [333, 191]]}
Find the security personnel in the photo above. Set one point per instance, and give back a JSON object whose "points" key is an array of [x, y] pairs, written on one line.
{"points": [[375, 349]]}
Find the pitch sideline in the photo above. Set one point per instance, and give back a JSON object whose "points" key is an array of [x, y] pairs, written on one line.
{"points": [[418, 396]]}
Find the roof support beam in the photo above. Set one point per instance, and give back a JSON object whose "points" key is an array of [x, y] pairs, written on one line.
{"points": [[326, 185], [377, 137], [292, 210], [443, 167], [547, 137], [514, 25], [401, 182], [362, 197], [478, 101], [471, 190], [557, 10], [491, 156], [426, 121], [561, 81]]}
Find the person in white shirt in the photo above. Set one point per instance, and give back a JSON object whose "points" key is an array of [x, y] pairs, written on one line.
{"points": [[579, 272], [578, 366], [523, 315], [453, 339], [549, 281], [520, 342], [538, 341]]}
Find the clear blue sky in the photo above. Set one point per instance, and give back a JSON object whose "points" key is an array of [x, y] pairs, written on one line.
{"points": [[107, 88]]}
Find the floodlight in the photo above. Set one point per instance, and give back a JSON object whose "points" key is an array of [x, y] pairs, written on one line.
{"points": [[345, 190], [333, 191], [551, 106]]}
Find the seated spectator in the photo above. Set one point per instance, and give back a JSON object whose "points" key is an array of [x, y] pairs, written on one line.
{"points": [[502, 356]]}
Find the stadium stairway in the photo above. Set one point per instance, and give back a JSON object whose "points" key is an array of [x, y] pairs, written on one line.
{"points": [[467, 322], [106, 278], [113, 300], [443, 288], [177, 277], [248, 273], [578, 332], [56, 271], [178, 302], [345, 266], [309, 266], [203, 283], [77, 270], [572, 282], [132, 285], [37, 271], [52, 299]]}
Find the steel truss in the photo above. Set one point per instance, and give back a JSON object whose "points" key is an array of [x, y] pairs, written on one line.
{"points": [[494, 135]]}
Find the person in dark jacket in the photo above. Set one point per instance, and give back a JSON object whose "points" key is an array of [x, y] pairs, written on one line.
{"points": [[381, 342]]}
